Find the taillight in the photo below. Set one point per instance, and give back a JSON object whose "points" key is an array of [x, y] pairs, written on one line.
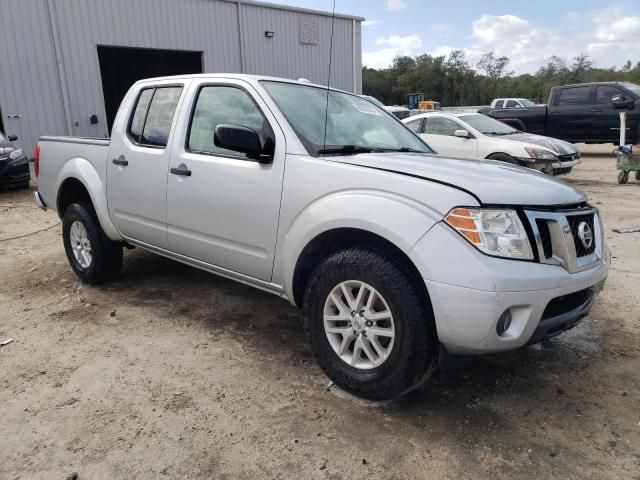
{"points": [[36, 159]]}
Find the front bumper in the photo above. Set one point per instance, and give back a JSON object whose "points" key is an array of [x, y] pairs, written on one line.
{"points": [[14, 172], [549, 167], [470, 291]]}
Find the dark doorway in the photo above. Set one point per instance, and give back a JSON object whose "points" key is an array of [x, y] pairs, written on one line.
{"points": [[121, 67]]}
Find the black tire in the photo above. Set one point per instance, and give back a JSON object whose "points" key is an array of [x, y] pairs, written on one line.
{"points": [[623, 176], [106, 254], [413, 356], [22, 186], [503, 157]]}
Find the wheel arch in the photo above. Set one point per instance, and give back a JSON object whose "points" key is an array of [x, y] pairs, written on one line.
{"points": [[78, 180], [330, 241]]}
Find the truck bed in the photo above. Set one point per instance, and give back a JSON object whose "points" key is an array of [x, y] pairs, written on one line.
{"points": [[62, 156], [528, 119]]}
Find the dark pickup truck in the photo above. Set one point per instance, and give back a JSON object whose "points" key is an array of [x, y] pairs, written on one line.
{"points": [[585, 112]]}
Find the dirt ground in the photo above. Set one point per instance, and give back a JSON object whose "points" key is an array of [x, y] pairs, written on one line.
{"points": [[169, 372]]}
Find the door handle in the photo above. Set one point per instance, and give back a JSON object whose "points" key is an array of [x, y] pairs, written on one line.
{"points": [[595, 111], [120, 161], [183, 170]]}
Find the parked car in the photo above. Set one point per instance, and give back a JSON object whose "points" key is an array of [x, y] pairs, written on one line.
{"points": [[583, 112], [396, 256], [476, 136], [14, 165], [512, 103], [398, 112]]}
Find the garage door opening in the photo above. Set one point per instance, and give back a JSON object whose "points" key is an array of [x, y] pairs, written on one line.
{"points": [[121, 67]]}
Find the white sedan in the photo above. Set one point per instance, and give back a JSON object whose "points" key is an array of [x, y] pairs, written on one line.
{"points": [[476, 136]]}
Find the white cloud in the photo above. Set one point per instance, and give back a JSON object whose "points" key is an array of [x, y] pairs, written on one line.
{"points": [[370, 23], [396, 5], [608, 36], [394, 45]]}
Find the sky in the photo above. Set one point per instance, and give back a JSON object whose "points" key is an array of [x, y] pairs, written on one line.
{"points": [[526, 31]]}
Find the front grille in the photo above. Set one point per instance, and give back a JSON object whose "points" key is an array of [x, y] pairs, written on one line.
{"points": [[556, 235], [569, 157], [545, 237], [574, 223]]}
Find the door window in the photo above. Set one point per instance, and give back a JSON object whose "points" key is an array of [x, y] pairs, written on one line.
{"points": [[415, 125], [152, 118], [604, 94], [441, 126], [499, 103], [574, 96], [223, 105], [512, 104]]}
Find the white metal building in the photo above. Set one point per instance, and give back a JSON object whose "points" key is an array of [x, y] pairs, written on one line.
{"points": [[66, 64]]}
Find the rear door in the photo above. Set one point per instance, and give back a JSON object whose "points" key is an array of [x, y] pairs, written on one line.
{"points": [[569, 117], [138, 162], [439, 133], [225, 212]]}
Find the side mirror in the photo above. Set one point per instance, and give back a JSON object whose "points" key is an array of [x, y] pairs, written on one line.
{"points": [[12, 138], [621, 102], [244, 140], [461, 134]]}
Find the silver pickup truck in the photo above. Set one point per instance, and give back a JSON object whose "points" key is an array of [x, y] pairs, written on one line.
{"points": [[396, 255]]}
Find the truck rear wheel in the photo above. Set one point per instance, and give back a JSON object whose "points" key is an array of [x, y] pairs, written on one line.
{"points": [[93, 257], [368, 325]]}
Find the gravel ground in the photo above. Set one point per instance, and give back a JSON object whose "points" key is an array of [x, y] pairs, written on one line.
{"points": [[168, 372]]}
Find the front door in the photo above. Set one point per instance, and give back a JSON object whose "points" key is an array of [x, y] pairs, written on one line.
{"points": [[571, 119], [439, 133], [137, 166], [222, 207]]}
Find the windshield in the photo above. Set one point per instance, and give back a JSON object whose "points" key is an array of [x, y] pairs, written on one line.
{"points": [[487, 125], [527, 103], [633, 87], [353, 124]]}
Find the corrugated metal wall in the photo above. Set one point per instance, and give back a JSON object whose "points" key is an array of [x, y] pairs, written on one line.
{"points": [[58, 97]]}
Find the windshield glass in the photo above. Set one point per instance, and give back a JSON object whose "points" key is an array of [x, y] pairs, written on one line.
{"points": [[353, 123], [633, 87], [487, 125], [527, 103]]}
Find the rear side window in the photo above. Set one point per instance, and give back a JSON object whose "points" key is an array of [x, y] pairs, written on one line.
{"points": [[223, 104], [574, 96], [415, 125], [152, 118], [441, 126], [604, 94], [139, 114]]}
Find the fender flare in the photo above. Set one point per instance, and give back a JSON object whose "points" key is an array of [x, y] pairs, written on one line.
{"points": [[405, 221], [82, 170]]}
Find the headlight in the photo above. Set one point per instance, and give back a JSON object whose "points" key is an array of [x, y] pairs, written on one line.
{"points": [[540, 154], [16, 154], [495, 232]]}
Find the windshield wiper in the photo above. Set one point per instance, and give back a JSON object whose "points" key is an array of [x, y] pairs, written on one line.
{"points": [[347, 150]]}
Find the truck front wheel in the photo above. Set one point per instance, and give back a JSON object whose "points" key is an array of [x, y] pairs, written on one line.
{"points": [[93, 257], [368, 325]]}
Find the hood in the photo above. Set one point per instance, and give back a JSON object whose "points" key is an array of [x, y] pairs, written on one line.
{"points": [[491, 182], [559, 147]]}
